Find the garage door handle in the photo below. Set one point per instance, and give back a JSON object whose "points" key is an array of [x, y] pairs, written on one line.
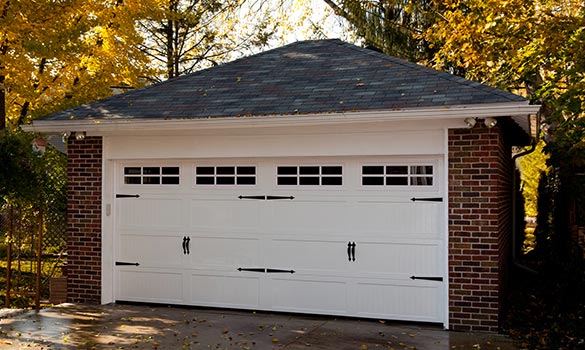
{"points": [[123, 263], [351, 251], [188, 241], [184, 245]]}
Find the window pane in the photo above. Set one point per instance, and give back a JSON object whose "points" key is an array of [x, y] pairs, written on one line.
{"points": [[170, 170], [373, 181], [204, 170], [228, 180], [132, 180], [397, 181], [309, 170], [246, 170], [225, 170], [421, 181], [287, 170], [309, 180], [204, 180], [151, 180], [151, 170], [421, 169], [331, 170], [331, 181], [372, 170], [170, 180], [132, 171], [286, 181], [246, 180], [397, 170]]}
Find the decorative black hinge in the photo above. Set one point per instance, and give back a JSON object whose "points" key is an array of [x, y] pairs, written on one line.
{"points": [[266, 198], [127, 196], [262, 198], [269, 198], [123, 263], [438, 279], [433, 199], [279, 271], [255, 269]]}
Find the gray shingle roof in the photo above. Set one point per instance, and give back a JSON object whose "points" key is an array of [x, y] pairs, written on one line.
{"points": [[321, 76]]}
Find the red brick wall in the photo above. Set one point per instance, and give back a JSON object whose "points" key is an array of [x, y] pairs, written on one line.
{"points": [[84, 173], [480, 171]]}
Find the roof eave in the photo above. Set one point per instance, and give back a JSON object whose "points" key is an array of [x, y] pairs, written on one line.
{"points": [[519, 111]]}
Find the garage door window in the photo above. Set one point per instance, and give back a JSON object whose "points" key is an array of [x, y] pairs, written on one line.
{"points": [[225, 175], [397, 175], [309, 175], [151, 175]]}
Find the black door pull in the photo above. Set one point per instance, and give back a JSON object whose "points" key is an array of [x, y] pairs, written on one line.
{"points": [[184, 245], [188, 240], [351, 251], [124, 263]]}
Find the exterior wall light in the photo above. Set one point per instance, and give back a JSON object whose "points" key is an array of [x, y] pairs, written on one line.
{"points": [[65, 137], [470, 122], [490, 122], [80, 135]]}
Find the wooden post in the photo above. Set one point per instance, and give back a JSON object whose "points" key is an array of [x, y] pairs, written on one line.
{"points": [[39, 255], [9, 256]]}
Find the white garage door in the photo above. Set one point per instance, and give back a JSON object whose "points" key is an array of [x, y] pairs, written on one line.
{"points": [[338, 236]]}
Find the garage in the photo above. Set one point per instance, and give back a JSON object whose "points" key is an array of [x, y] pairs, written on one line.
{"points": [[318, 177], [332, 235]]}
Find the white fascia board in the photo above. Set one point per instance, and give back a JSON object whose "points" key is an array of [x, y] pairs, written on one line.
{"points": [[113, 126]]}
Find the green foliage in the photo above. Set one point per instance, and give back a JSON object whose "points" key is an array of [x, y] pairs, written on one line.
{"points": [[19, 170], [393, 27]]}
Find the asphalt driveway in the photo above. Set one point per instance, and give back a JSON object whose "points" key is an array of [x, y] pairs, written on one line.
{"points": [[115, 326]]}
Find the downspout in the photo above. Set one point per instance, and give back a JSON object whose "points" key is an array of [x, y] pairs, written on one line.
{"points": [[515, 199]]}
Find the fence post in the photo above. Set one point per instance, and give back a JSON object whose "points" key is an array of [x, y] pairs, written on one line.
{"points": [[39, 255], [9, 255]]}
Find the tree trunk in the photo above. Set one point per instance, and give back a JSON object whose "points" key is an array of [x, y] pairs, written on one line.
{"points": [[2, 104]]}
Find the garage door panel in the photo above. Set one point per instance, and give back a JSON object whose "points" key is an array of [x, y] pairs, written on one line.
{"points": [[414, 258], [308, 295], [225, 214], [324, 217], [397, 301], [150, 286], [228, 253], [308, 256], [397, 219], [151, 250], [225, 290], [148, 213]]}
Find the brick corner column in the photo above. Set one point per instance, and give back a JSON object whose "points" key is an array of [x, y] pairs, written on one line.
{"points": [[84, 204], [479, 174]]}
